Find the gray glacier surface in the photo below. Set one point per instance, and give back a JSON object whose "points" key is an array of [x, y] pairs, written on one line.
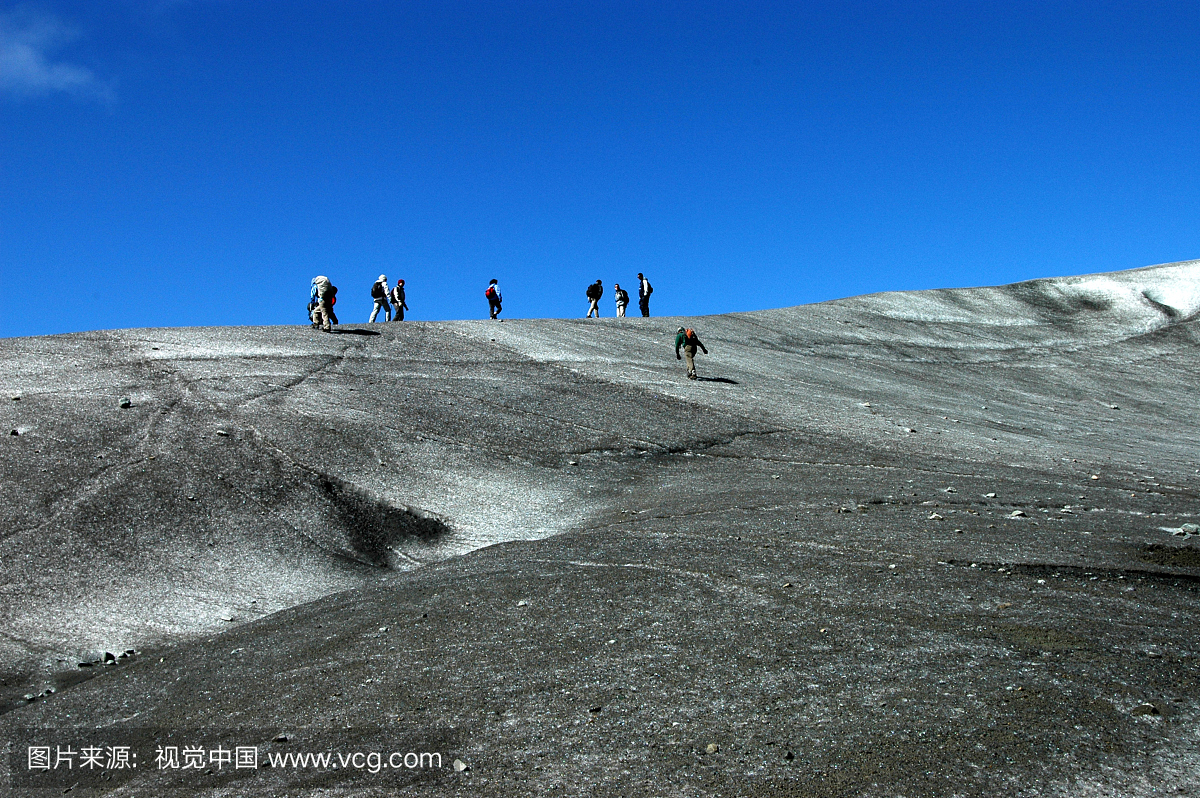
{"points": [[941, 543]]}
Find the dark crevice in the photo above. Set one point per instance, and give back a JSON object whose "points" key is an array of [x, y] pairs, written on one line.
{"points": [[371, 523]]}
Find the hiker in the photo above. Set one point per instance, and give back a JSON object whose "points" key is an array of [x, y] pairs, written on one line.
{"points": [[379, 292], [493, 297], [594, 292], [644, 292], [622, 299], [325, 294], [688, 340], [398, 303]]}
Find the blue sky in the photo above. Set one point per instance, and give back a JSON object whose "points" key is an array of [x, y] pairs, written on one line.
{"points": [[197, 163]]}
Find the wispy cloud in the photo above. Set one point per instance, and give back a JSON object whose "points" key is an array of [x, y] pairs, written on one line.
{"points": [[27, 42]]}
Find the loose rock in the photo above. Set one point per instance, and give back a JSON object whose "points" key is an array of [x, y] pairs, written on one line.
{"points": [[126, 402], [711, 748], [460, 766]]}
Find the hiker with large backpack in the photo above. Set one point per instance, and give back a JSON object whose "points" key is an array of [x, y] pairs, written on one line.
{"points": [[493, 297], [398, 303], [325, 294], [622, 299], [379, 292], [594, 292], [644, 292], [688, 339]]}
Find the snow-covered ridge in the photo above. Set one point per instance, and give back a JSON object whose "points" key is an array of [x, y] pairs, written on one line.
{"points": [[1144, 299]]}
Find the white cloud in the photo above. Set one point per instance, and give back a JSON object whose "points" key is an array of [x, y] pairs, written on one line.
{"points": [[27, 41]]}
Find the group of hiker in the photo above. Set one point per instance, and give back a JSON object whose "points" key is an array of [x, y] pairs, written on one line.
{"points": [[391, 301], [323, 296], [596, 290]]}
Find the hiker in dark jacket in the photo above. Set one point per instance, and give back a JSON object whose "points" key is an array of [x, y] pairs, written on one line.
{"points": [[594, 292], [622, 297], [689, 341], [644, 292], [493, 297], [398, 303], [379, 292]]}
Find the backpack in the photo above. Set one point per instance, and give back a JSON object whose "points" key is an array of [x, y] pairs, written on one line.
{"points": [[689, 335], [490, 293], [649, 288], [332, 295], [377, 291]]}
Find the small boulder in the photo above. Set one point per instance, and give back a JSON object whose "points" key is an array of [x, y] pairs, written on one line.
{"points": [[711, 748], [460, 766]]}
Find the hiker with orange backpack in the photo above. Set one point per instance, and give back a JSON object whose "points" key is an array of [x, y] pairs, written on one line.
{"points": [[689, 341], [493, 297]]}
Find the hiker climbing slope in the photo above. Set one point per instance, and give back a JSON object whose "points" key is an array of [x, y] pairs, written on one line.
{"points": [[688, 339]]}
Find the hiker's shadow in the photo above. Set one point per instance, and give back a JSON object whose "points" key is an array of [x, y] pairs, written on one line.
{"points": [[355, 332], [725, 380]]}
